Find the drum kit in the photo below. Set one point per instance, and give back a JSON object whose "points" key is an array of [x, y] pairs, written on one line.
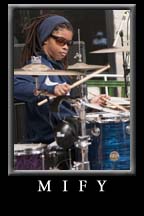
{"points": [[103, 141]]}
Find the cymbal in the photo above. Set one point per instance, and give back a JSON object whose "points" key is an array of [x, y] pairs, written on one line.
{"points": [[46, 72], [113, 50], [35, 67], [100, 108], [84, 66], [120, 100]]}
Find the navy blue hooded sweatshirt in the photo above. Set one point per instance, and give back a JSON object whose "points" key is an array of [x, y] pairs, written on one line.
{"points": [[41, 120]]}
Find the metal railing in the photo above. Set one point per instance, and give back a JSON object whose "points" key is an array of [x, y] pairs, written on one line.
{"points": [[109, 84]]}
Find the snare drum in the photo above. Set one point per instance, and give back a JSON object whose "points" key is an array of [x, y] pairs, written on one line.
{"points": [[110, 141], [29, 156]]}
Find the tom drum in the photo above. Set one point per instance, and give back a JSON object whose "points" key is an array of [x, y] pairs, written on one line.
{"points": [[110, 141]]}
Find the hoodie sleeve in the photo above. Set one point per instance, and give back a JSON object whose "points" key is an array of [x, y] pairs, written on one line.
{"points": [[24, 87]]}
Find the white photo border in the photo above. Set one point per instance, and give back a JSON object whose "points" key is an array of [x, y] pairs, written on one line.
{"points": [[132, 8]]}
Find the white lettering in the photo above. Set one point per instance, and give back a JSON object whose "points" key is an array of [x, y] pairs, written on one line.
{"points": [[101, 184], [82, 185], [42, 188], [65, 182]]}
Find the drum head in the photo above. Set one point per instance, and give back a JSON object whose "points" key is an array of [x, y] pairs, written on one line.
{"points": [[24, 149], [102, 117]]}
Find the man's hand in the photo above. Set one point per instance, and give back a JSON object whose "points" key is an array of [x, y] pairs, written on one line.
{"points": [[100, 99], [61, 89]]}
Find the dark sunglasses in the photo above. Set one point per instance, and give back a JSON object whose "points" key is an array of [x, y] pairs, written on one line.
{"points": [[62, 41]]}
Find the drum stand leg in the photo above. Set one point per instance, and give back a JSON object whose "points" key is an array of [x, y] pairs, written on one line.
{"points": [[53, 158], [70, 159], [43, 161], [82, 144]]}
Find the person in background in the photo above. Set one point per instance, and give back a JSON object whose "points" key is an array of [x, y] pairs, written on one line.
{"points": [[99, 41]]}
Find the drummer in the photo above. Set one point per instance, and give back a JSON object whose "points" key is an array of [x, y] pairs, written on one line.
{"points": [[48, 36]]}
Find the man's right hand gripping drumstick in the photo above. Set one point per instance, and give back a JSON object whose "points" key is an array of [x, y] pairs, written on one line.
{"points": [[59, 90], [63, 89]]}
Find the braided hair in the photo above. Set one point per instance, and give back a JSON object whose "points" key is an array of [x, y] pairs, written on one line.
{"points": [[32, 43]]}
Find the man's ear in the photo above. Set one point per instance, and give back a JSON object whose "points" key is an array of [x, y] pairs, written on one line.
{"points": [[45, 42]]}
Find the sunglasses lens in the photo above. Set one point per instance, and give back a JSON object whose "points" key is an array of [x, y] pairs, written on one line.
{"points": [[62, 41], [69, 43]]}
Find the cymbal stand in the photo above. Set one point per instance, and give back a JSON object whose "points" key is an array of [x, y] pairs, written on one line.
{"points": [[36, 60], [125, 18], [83, 140], [38, 92], [36, 85], [125, 65], [78, 54]]}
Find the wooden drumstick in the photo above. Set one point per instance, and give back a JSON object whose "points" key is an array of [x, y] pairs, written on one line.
{"points": [[44, 93], [79, 82], [89, 76], [114, 104], [42, 102]]}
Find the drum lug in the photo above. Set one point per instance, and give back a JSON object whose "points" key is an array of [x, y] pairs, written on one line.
{"points": [[95, 131], [128, 129]]}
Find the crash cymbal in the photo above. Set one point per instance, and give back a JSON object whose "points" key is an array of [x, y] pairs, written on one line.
{"points": [[46, 72], [113, 50], [84, 66], [35, 67]]}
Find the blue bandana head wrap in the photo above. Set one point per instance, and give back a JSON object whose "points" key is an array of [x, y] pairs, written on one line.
{"points": [[48, 25]]}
